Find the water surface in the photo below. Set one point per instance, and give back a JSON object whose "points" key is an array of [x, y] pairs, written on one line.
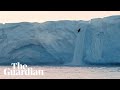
{"points": [[54, 72]]}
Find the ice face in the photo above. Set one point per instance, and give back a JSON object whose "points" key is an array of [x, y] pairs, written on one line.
{"points": [[60, 43], [101, 43], [49, 43]]}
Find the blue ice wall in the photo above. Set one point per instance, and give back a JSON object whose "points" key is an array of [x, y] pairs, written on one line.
{"points": [[59, 42]]}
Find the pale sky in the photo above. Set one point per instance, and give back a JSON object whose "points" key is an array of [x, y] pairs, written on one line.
{"points": [[42, 16]]}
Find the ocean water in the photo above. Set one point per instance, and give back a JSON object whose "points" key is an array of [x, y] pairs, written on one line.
{"points": [[54, 72]]}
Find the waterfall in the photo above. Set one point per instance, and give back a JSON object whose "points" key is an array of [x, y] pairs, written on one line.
{"points": [[79, 48]]}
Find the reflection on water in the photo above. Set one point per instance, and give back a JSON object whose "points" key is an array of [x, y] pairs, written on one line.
{"points": [[51, 72]]}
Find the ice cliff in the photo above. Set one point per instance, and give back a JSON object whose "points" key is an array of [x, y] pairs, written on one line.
{"points": [[59, 42]]}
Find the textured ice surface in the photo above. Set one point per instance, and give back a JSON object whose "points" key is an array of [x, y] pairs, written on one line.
{"points": [[58, 42], [99, 42]]}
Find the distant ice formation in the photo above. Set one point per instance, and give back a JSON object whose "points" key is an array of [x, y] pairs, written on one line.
{"points": [[59, 42]]}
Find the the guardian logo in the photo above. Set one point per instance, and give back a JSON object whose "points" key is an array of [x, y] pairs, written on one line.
{"points": [[19, 69]]}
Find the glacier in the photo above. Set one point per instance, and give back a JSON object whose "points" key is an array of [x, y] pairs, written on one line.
{"points": [[59, 42]]}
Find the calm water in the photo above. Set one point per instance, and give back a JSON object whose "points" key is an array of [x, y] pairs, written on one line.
{"points": [[69, 73]]}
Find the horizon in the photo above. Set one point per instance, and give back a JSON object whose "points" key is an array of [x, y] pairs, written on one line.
{"points": [[53, 20], [44, 16]]}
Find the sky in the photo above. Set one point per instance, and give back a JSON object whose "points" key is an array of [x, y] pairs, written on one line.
{"points": [[42, 16]]}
